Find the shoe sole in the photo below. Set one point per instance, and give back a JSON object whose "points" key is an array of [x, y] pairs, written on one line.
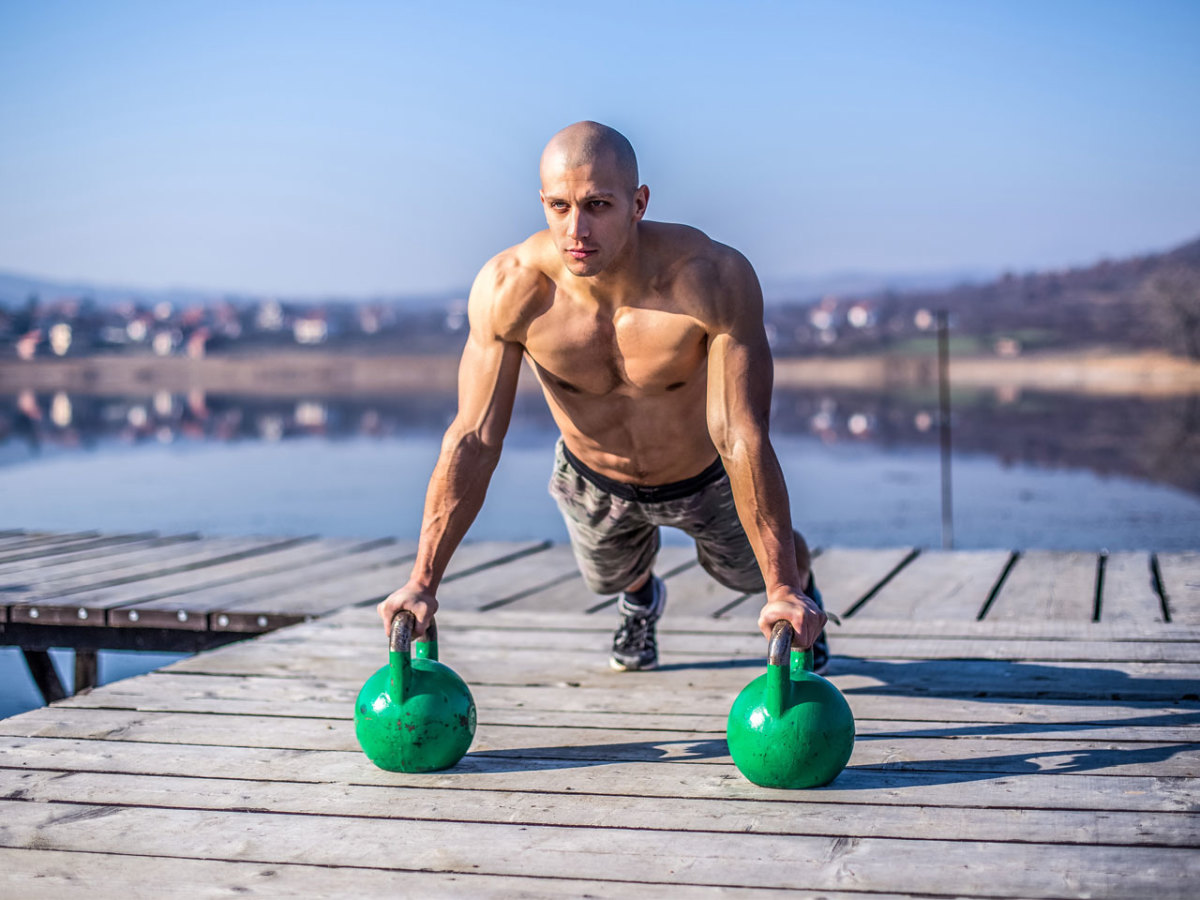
{"points": [[617, 666]]}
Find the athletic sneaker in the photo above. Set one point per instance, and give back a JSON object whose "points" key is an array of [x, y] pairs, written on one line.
{"points": [[635, 646], [821, 648]]}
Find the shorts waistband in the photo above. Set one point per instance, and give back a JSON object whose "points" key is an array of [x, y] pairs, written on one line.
{"points": [[676, 490]]}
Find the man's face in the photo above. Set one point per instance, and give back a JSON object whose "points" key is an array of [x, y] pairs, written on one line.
{"points": [[591, 213]]}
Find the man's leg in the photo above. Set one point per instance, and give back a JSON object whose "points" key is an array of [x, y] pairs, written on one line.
{"points": [[820, 649], [613, 544], [640, 582], [710, 518], [803, 557], [615, 547], [635, 642]]}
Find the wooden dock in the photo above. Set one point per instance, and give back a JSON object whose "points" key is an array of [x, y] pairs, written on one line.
{"points": [[1028, 726]]}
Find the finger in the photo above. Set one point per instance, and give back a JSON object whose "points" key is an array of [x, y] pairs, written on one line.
{"points": [[764, 625]]}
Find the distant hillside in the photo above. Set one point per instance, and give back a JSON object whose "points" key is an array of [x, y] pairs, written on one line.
{"points": [[1144, 302], [1150, 301], [1104, 303]]}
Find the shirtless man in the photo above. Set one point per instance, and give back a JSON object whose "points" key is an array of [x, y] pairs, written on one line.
{"points": [[648, 341]]}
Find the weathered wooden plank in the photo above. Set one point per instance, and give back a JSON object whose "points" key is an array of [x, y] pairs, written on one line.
{"points": [[39, 540], [61, 875], [72, 543], [572, 595], [279, 554], [939, 585], [372, 585], [1174, 727], [693, 593], [1181, 585], [264, 589], [1169, 682], [16, 536], [560, 740], [672, 776], [651, 857], [142, 562], [166, 602], [743, 643], [317, 697], [506, 583], [270, 590], [88, 607], [20, 537], [808, 814], [513, 620], [845, 575], [1128, 593], [97, 559], [1048, 584], [310, 721]]}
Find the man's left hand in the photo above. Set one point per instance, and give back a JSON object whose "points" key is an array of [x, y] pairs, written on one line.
{"points": [[802, 611]]}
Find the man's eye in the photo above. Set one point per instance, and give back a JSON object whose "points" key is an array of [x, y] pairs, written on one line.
{"points": [[557, 204], [596, 204]]}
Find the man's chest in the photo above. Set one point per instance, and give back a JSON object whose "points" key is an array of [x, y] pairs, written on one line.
{"points": [[634, 350]]}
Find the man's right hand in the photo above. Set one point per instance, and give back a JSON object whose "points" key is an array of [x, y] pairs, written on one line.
{"points": [[420, 603]]}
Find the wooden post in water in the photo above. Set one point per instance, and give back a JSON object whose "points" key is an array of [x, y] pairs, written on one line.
{"points": [[943, 340], [41, 667], [86, 670]]}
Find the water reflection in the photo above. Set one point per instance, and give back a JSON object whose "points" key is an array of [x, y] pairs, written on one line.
{"points": [[1152, 439]]}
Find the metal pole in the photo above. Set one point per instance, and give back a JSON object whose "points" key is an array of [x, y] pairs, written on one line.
{"points": [[943, 332]]}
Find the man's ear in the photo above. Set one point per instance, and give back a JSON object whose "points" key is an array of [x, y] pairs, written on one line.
{"points": [[641, 199]]}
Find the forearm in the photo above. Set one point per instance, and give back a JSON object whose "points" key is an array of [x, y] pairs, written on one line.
{"points": [[456, 493]]}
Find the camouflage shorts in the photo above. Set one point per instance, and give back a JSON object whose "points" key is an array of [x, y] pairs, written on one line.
{"points": [[614, 526]]}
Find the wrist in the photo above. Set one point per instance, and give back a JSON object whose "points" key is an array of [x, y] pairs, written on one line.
{"points": [[786, 594], [419, 584]]}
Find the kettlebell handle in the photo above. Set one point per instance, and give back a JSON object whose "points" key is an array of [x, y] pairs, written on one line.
{"points": [[403, 625], [783, 637], [780, 646]]}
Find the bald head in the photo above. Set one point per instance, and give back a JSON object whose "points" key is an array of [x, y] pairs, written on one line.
{"points": [[590, 143]]}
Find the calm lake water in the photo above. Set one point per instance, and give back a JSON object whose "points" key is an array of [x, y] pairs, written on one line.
{"points": [[1030, 470]]}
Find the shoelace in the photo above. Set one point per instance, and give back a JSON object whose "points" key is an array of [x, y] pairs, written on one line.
{"points": [[634, 633]]}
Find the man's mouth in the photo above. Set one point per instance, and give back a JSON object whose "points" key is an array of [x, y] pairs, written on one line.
{"points": [[579, 253]]}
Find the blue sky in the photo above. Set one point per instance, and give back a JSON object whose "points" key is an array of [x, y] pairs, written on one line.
{"points": [[365, 147]]}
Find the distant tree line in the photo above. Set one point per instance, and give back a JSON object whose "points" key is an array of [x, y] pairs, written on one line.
{"points": [[1146, 302]]}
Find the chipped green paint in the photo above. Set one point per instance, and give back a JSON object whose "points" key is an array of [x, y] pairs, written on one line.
{"points": [[414, 714], [790, 729]]}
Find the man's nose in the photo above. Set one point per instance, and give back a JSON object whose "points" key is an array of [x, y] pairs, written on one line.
{"points": [[577, 225]]}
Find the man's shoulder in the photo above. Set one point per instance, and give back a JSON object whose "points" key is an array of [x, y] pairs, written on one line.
{"points": [[695, 267], [513, 286]]}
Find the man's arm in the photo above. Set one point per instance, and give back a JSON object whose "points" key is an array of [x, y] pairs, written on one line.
{"points": [[487, 384], [740, 373]]}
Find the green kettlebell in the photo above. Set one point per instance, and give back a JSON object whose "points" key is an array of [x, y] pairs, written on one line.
{"points": [[790, 729], [414, 715]]}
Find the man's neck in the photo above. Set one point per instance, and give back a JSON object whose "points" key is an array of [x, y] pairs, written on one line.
{"points": [[621, 281]]}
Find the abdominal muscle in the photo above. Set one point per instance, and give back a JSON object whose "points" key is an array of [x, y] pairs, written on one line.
{"points": [[636, 437]]}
